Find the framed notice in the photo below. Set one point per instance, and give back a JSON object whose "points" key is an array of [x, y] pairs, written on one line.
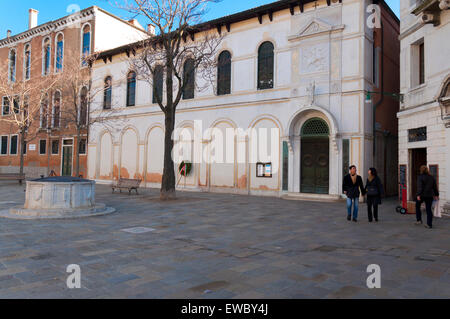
{"points": [[32, 147], [264, 170]]}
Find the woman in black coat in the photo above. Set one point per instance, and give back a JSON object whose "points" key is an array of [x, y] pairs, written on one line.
{"points": [[374, 191]]}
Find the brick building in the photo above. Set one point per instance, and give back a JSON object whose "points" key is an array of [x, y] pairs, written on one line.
{"points": [[42, 51]]}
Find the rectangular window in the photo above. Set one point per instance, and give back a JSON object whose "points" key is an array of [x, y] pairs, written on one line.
{"points": [[24, 145], [4, 145], [417, 134], [422, 63], [82, 147], [55, 147], [5, 106], [264, 170], [16, 105], [345, 156], [42, 147], [13, 145]]}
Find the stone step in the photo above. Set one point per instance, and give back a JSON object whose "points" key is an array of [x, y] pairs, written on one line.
{"points": [[312, 197]]}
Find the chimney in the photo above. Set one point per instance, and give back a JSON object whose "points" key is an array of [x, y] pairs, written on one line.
{"points": [[151, 29], [8, 33], [135, 23], [32, 18]]}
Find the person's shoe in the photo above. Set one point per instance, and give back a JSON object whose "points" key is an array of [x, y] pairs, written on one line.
{"points": [[355, 220], [428, 227], [349, 218], [376, 220], [419, 222], [370, 221]]}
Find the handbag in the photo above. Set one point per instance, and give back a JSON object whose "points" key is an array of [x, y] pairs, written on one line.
{"points": [[372, 190], [437, 209]]}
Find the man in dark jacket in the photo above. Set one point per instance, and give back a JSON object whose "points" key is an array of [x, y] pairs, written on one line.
{"points": [[426, 191], [351, 187]]}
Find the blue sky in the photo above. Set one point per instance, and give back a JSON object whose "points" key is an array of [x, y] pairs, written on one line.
{"points": [[14, 14]]}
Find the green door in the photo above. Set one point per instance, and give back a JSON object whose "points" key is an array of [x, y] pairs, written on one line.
{"points": [[315, 169], [315, 157], [67, 159]]}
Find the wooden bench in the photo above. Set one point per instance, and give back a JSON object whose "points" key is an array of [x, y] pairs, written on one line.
{"points": [[12, 177], [130, 184]]}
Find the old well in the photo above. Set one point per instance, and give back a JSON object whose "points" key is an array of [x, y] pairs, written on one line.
{"points": [[59, 197]]}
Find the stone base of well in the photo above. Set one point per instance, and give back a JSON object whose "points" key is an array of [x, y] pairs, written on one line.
{"points": [[58, 198], [20, 212]]}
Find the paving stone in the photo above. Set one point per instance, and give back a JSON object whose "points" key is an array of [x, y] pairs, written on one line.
{"points": [[222, 246]]}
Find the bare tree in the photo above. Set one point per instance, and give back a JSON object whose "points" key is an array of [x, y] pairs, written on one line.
{"points": [[24, 103], [73, 108], [181, 50]]}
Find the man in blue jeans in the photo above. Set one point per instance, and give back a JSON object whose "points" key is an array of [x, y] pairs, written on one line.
{"points": [[351, 187]]}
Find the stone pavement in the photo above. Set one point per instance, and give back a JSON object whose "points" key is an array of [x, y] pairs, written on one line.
{"points": [[221, 246]]}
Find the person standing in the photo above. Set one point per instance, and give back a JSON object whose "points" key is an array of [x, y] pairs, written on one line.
{"points": [[374, 190], [352, 185], [426, 191]]}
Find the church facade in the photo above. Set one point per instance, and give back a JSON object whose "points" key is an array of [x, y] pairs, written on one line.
{"points": [[298, 81]]}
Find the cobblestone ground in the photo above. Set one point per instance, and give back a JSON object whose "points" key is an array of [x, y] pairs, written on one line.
{"points": [[221, 246]]}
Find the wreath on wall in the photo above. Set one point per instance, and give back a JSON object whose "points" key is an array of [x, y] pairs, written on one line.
{"points": [[185, 168]]}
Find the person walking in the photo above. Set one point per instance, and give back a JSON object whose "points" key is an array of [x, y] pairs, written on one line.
{"points": [[352, 185], [374, 190], [426, 191]]}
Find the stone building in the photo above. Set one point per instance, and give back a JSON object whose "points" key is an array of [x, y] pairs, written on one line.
{"points": [[322, 58], [42, 51], [424, 117]]}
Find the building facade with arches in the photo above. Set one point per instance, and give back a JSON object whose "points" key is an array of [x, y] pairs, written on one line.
{"points": [[288, 102]]}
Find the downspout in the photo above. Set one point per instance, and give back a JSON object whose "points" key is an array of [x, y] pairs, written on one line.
{"points": [[380, 101]]}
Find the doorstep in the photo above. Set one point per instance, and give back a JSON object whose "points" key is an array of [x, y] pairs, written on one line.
{"points": [[312, 197]]}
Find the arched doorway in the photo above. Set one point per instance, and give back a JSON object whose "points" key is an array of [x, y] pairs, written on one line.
{"points": [[315, 157]]}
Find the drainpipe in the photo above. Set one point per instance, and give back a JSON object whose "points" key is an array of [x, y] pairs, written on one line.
{"points": [[380, 101]]}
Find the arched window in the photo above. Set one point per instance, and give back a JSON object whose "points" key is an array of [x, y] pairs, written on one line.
{"points": [[56, 108], [315, 127], [44, 112], [158, 82], [131, 89], [12, 65], [224, 73], [107, 93], [86, 43], [265, 66], [188, 79], [83, 105], [59, 52], [27, 62], [46, 56]]}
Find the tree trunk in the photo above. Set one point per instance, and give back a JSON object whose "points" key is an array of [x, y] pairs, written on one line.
{"points": [[168, 179], [48, 153], [22, 142]]}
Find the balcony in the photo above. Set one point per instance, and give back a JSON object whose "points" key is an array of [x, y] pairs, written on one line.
{"points": [[430, 6]]}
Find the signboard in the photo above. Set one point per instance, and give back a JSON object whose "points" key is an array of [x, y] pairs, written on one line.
{"points": [[264, 170], [32, 147]]}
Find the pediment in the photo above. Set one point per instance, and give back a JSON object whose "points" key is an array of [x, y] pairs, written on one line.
{"points": [[314, 27]]}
